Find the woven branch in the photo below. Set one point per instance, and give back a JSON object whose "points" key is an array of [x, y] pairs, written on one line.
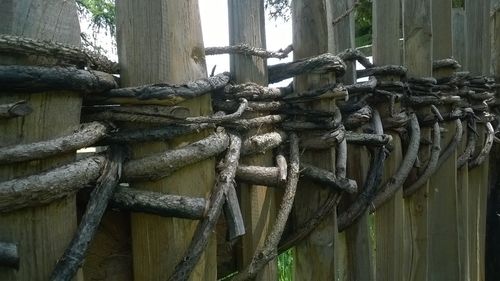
{"points": [[261, 143], [385, 70], [324, 63], [73, 256], [265, 176], [244, 49], [164, 164], [269, 250], [162, 93], [432, 164], [328, 179], [157, 203], [84, 136], [485, 151], [470, 147], [225, 181], [43, 188], [12, 44], [152, 134], [355, 54], [38, 79]]}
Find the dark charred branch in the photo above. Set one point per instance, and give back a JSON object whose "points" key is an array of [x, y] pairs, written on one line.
{"points": [[73, 256], [152, 134], [86, 135], [43, 188], [16, 109], [396, 181], [11, 44], [452, 146], [39, 79], [261, 143], [328, 179], [269, 250], [9, 255], [386, 70], [163, 93], [253, 91], [355, 54], [163, 164], [485, 151], [362, 87], [432, 164], [320, 64], [244, 49], [157, 203], [265, 176], [368, 139], [373, 178], [225, 181]]}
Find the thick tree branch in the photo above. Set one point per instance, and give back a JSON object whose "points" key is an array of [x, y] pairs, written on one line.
{"points": [[244, 49]]}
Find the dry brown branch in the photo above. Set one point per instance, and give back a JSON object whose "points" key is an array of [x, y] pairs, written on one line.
{"points": [[431, 164], [205, 228], [485, 151], [163, 93], [84, 136], [16, 109], [244, 49], [39, 79], [396, 181], [269, 250], [74, 254], [163, 164], [9, 255], [48, 186], [165, 205], [320, 64], [11, 44]]}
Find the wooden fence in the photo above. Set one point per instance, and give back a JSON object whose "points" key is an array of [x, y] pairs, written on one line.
{"points": [[208, 177]]}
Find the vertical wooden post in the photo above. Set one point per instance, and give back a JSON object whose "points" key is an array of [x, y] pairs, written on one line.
{"points": [[161, 41], [315, 256], [388, 217], [458, 30], [258, 204], [357, 259], [42, 233], [478, 54]]}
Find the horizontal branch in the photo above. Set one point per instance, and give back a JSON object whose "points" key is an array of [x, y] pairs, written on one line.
{"points": [[165, 205], [368, 139], [152, 134], [12, 44], [355, 54], [164, 164], [261, 143], [265, 176], [162, 93], [244, 49], [253, 91], [38, 79], [85, 136], [48, 186], [324, 63], [16, 109], [396, 70], [328, 179], [256, 122]]}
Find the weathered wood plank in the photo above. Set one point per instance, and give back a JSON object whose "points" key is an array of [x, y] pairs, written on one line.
{"points": [[42, 233]]}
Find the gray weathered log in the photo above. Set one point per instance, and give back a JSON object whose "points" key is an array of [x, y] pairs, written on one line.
{"points": [[205, 228], [355, 54], [323, 63], [261, 143], [86, 135], [329, 91], [328, 179], [446, 63], [253, 91], [362, 87], [165, 205], [256, 122], [245, 49], [12, 44], [396, 181], [396, 70], [73, 256], [368, 139], [163, 164], [9, 255], [16, 109], [48, 186], [162, 94], [265, 176], [432, 164], [39, 79], [269, 250], [485, 151]]}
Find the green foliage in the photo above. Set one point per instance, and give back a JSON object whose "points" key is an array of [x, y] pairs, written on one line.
{"points": [[102, 13], [363, 23], [458, 3], [285, 266]]}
